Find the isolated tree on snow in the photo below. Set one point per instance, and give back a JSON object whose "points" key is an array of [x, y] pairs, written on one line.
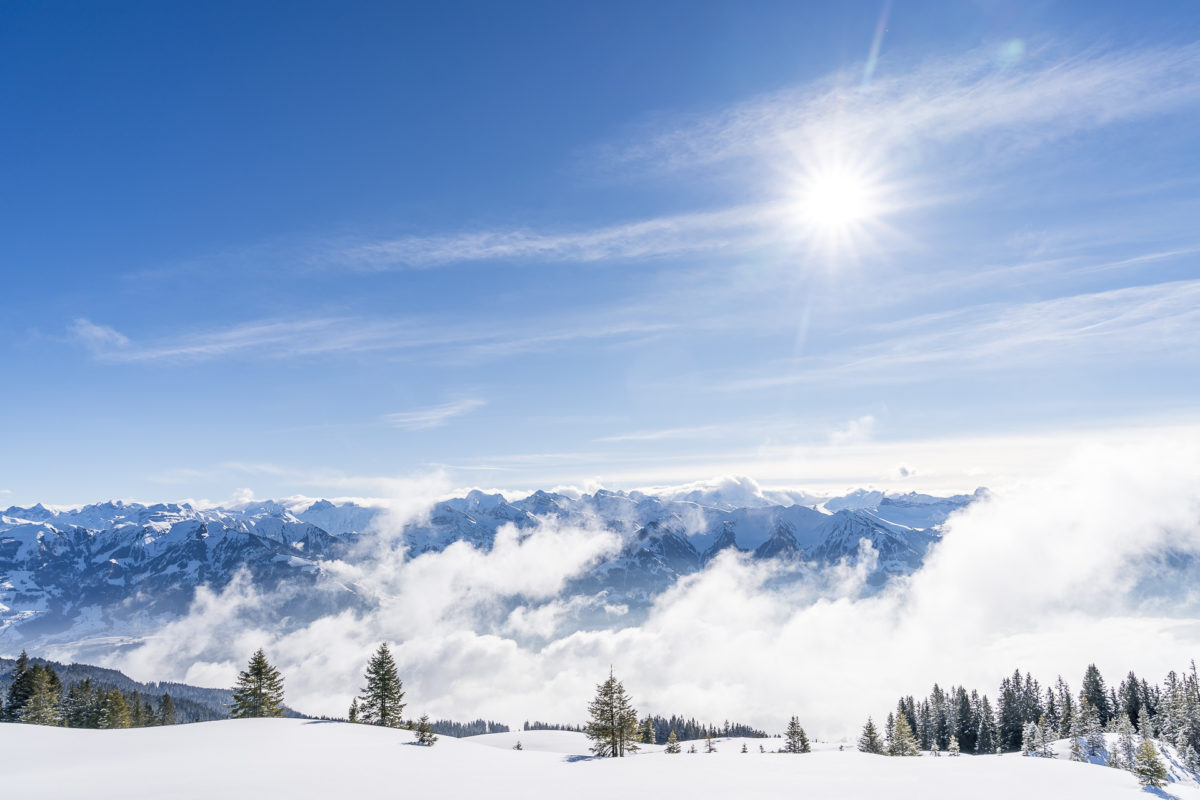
{"points": [[744, 748], [425, 735], [795, 737], [1148, 766], [953, 748], [709, 747], [904, 741], [518, 746], [869, 741], [672, 743], [382, 699], [259, 690], [692, 749], [352, 714], [613, 727]]}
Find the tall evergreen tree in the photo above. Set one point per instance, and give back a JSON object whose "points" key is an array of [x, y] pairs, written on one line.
{"points": [[869, 741], [903, 740], [1095, 694], [953, 748], [709, 747], [381, 702], [794, 737], [613, 727], [648, 736], [41, 706], [19, 690], [672, 743], [986, 737], [165, 714], [352, 715], [114, 709], [259, 690]]}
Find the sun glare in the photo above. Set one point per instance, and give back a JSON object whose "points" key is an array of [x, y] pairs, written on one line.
{"points": [[836, 199]]}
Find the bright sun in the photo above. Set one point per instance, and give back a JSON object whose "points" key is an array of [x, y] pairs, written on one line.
{"points": [[835, 200]]}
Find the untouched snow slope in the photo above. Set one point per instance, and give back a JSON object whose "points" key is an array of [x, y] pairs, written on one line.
{"points": [[307, 759]]}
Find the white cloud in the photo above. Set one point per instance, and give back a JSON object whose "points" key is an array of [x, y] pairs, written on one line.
{"points": [[97, 338], [1053, 93], [433, 416]]}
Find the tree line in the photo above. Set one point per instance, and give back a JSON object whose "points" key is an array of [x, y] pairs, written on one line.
{"points": [[37, 696], [1028, 716]]}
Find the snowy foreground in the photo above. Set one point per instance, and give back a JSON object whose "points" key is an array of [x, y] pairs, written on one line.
{"points": [[305, 759]]}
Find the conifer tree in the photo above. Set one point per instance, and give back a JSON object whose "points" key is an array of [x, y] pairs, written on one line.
{"points": [[1148, 766], [869, 741], [352, 715], [1094, 735], [425, 734], [953, 748], [744, 748], [381, 701], [41, 705], [1077, 749], [114, 709], [1029, 740], [165, 714], [613, 727], [1095, 695], [793, 736], [19, 690], [986, 738], [709, 747], [648, 736], [1126, 748], [518, 746], [903, 740], [259, 690], [672, 743], [804, 745]]}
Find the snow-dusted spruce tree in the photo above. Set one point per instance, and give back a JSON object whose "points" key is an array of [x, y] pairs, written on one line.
{"points": [[1045, 738], [903, 740], [41, 706], [869, 741], [1077, 753], [709, 747], [672, 743], [259, 690], [114, 709], [1148, 766], [953, 749], [352, 714], [613, 727], [382, 699], [1094, 736], [793, 736], [1125, 751], [1029, 739], [425, 735]]}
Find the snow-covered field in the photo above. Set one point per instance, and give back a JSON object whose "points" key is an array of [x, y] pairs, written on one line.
{"points": [[305, 759]]}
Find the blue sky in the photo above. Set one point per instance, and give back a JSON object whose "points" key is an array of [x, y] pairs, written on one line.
{"points": [[318, 248]]}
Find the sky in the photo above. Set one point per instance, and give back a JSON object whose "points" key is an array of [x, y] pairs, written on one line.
{"points": [[320, 249]]}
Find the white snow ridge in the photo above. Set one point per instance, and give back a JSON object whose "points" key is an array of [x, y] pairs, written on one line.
{"points": [[286, 758]]}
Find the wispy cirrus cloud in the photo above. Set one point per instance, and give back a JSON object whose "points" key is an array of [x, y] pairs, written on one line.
{"points": [[318, 336], [1154, 321], [1053, 92], [433, 416]]}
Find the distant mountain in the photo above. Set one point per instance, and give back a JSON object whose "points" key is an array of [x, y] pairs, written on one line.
{"points": [[119, 569]]}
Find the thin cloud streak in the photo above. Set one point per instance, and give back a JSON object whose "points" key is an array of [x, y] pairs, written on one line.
{"points": [[433, 416]]}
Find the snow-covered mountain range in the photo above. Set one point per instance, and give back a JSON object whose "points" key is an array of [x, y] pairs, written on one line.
{"points": [[69, 574]]}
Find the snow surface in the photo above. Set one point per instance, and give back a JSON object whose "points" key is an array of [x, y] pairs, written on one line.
{"points": [[308, 759]]}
